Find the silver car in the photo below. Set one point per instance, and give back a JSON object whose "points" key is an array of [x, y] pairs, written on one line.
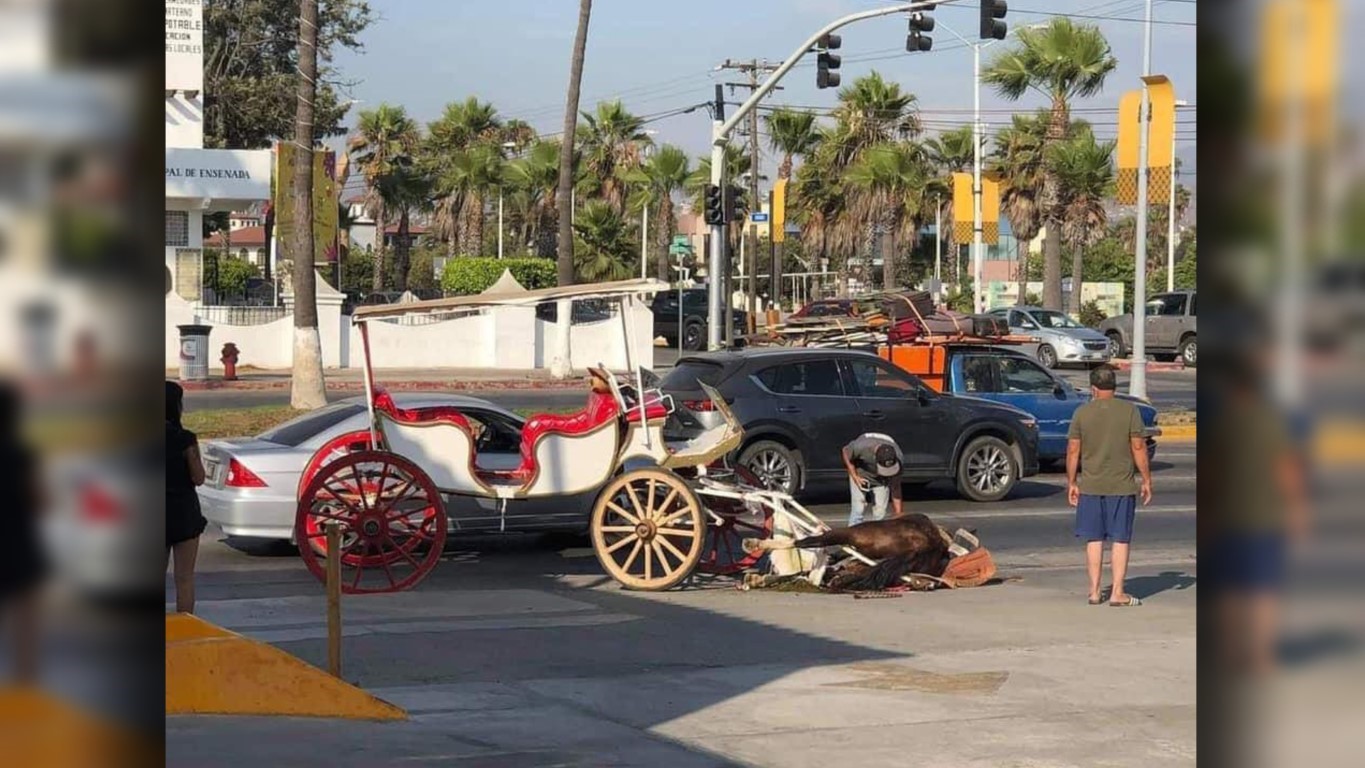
{"points": [[1060, 339], [252, 483]]}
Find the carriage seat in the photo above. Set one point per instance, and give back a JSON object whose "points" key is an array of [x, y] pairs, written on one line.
{"points": [[383, 401], [600, 409]]}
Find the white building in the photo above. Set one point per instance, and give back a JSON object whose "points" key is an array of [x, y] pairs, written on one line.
{"points": [[198, 180]]}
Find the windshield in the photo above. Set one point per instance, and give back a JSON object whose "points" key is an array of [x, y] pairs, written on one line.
{"points": [[1054, 319]]}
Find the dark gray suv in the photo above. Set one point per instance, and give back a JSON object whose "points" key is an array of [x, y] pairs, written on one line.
{"points": [[799, 407]]}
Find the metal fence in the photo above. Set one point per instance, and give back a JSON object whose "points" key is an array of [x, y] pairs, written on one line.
{"points": [[241, 315]]}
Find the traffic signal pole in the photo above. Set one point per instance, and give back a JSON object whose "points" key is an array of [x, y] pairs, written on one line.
{"points": [[1137, 374], [721, 129]]}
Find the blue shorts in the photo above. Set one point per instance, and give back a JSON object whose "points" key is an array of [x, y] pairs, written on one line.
{"points": [[1248, 562], [1106, 517]]}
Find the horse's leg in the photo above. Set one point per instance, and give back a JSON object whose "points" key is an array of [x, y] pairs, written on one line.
{"points": [[766, 545]]}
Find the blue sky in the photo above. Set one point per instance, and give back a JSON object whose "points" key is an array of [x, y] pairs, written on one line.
{"points": [[659, 56]]}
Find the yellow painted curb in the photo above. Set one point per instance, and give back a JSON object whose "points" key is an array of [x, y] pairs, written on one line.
{"points": [[1341, 442], [38, 729], [210, 670], [1178, 432]]}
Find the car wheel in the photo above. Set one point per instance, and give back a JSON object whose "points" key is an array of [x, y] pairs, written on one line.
{"points": [[1116, 350], [693, 337], [777, 467], [1189, 351], [1047, 355], [986, 470]]}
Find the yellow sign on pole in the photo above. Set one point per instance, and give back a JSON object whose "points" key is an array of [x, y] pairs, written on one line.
{"points": [[325, 199], [1130, 104], [990, 208], [778, 226], [1306, 30], [962, 208]]}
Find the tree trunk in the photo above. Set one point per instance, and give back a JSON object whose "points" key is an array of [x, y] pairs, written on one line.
{"points": [[1077, 256], [477, 220], [401, 256], [1052, 266], [1021, 251], [453, 214], [380, 222], [665, 234], [307, 390], [566, 145], [888, 256]]}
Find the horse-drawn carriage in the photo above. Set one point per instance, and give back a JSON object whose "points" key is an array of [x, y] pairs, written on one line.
{"points": [[662, 509]]}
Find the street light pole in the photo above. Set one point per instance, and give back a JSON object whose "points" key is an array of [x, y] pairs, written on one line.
{"points": [[499, 222], [978, 256], [1137, 377], [1170, 214], [721, 128]]}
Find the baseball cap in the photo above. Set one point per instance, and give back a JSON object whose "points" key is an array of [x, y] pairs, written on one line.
{"points": [[887, 463]]}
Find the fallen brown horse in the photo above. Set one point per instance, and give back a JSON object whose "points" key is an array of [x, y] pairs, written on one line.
{"points": [[910, 544]]}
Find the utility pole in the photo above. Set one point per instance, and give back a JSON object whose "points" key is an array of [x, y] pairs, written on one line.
{"points": [[752, 68], [715, 271], [1170, 214]]}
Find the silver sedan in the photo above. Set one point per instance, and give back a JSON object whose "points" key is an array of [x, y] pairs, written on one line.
{"points": [[253, 482]]}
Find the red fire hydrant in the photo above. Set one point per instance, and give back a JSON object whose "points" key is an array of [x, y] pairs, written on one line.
{"points": [[229, 359]]}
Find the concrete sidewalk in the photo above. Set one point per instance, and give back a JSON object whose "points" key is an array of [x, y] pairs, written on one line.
{"points": [[577, 673]]}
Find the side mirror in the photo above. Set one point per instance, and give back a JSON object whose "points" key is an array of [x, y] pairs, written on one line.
{"points": [[923, 395], [1060, 389]]}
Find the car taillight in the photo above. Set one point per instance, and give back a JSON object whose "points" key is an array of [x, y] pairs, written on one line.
{"points": [[699, 405], [99, 506], [239, 476]]}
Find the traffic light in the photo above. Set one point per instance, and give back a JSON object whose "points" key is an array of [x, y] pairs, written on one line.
{"points": [[715, 208], [990, 11], [826, 62], [732, 209], [920, 23]]}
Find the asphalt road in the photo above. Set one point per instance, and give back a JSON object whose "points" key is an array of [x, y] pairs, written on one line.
{"points": [[518, 652]]}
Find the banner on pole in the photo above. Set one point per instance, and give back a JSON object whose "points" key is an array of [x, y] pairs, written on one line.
{"points": [[325, 199], [778, 208], [962, 208]]}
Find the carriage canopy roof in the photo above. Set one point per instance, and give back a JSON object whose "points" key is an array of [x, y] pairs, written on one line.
{"points": [[510, 296]]}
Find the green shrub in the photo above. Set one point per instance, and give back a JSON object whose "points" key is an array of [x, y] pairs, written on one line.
{"points": [[1091, 314], [466, 275]]}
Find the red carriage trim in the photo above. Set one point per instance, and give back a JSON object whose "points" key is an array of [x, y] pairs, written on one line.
{"points": [[383, 401]]}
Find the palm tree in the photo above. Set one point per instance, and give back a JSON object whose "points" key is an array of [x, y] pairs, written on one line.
{"points": [[872, 111], [566, 149], [605, 248], [307, 389], [889, 180], [611, 140], [462, 125], [1019, 159], [656, 181], [792, 132], [409, 191], [1061, 61], [472, 174], [536, 175], [384, 143], [1085, 172]]}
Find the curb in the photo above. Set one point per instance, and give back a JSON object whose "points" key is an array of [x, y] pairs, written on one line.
{"points": [[212, 671], [1178, 433], [1126, 363]]}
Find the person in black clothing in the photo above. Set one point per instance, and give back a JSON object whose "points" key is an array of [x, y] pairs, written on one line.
{"points": [[22, 561], [184, 520]]}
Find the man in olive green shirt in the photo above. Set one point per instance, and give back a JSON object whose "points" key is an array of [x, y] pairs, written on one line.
{"points": [[1106, 445]]}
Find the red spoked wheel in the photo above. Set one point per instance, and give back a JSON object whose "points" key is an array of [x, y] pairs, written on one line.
{"points": [[723, 553], [337, 447], [332, 450], [393, 522]]}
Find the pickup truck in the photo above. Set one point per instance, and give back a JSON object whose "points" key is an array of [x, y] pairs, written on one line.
{"points": [[1011, 377], [1170, 328]]}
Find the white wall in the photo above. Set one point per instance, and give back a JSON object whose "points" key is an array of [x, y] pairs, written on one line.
{"points": [[185, 121], [509, 338]]}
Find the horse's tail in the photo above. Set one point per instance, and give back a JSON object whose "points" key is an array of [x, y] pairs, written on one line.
{"points": [[887, 573]]}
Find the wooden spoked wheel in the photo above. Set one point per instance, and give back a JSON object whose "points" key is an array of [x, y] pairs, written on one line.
{"points": [[393, 523], [723, 553], [648, 529]]}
